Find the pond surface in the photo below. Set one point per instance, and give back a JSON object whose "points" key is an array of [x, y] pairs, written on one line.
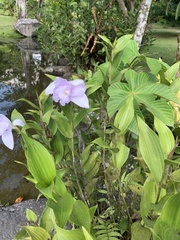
{"points": [[20, 77]]}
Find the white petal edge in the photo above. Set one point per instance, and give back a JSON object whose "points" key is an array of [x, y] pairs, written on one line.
{"points": [[81, 101], [18, 122], [8, 139]]}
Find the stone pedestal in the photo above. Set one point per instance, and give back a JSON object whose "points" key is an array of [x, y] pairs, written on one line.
{"points": [[26, 26]]}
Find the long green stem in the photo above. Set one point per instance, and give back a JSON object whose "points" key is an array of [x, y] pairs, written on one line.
{"points": [[74, 161]]}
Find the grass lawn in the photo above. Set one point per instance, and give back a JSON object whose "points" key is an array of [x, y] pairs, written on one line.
{"points": [[7, 31], [165, 45]]}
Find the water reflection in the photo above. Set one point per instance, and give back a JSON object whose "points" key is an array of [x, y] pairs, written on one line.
{"points": [[20, 77]]}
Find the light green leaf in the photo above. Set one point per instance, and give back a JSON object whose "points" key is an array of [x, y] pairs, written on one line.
{"points": [[121, 44], [149, 196], [80, 215], [140, 232], [86, 234], [166, 137], [171, 212], [151, 150], [31, 216], [175, 176], [62, 234], [36, 233], [119, 93], [154, 65], [62, 208], [124, 116], [47, 219], [172, 71], [16, 115], [39, 161], [159, 108], [106, 40], [63, 124], [121, 156], [59, 185], [99, 141]]}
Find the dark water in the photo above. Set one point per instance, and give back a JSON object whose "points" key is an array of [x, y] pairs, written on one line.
{"points": [[20, 77]]}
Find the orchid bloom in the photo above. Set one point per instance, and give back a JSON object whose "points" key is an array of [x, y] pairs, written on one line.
{"points": [[68, 91], [6, 130]]}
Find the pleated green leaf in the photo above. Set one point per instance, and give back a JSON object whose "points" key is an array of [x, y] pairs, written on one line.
{"points": [[166, 137], [171, 212], [39, 161], [36, 233], [151, 150]]}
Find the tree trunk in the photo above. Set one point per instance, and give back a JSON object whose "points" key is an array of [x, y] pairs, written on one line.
{"points": [[21, 8], [123, 9], [142, 21]]}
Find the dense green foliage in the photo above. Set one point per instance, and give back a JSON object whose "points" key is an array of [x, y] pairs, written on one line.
{"points": [[111, 171], [71, 28]]}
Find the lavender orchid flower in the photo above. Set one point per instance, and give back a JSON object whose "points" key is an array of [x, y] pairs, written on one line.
{"points": [[68, 91], [6, 130]]}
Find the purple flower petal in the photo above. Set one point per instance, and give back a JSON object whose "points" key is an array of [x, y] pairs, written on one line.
{"points": [[5, 123], [62, 92], [50, 88], [8, 139]]}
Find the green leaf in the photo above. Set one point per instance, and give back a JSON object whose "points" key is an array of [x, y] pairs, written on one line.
{"points": [[63, 124], [59, 185], [130, 52], [119, 93], [149, 196], [166, 137], [39, 161], [140, 232], [154, 65], [31, 216], [57, 147], [171, 212], [36, 233], [62, 234], [47, 219], [167, 226], [83, 113], [62, 208], [29, 102], [86, 234], [121, 156], [175, 176], [172, 71], [106, 40], [99, 141], [159, 108], [46, 117], [80, 215], [124, 116], [121, 43], [151, 150], [47, 191], [158, 89], [16, 115]]}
